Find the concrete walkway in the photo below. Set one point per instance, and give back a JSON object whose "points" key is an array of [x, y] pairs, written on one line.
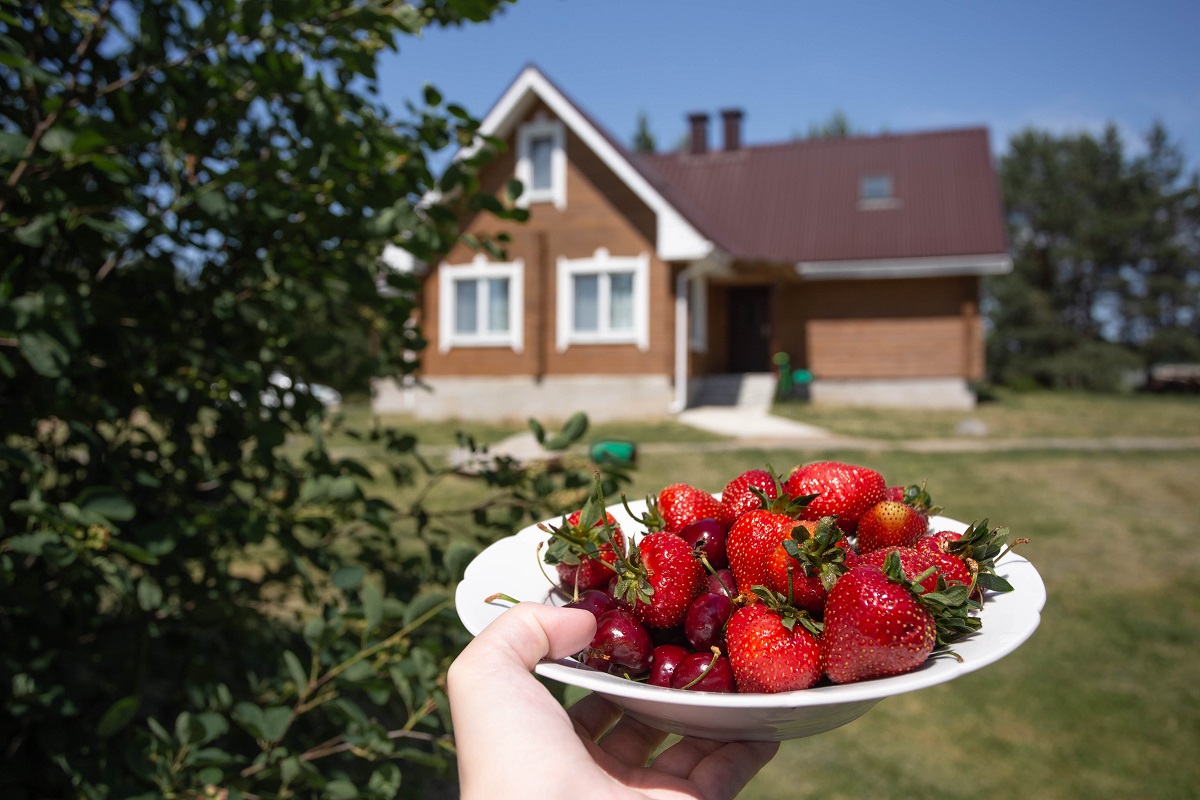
{"points": [[747, 423]]}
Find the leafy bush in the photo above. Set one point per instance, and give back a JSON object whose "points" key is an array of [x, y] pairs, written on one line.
{"points": [[192, 198]]}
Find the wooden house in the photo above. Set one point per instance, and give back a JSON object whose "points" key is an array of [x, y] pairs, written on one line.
{"points": [[643, 284]]}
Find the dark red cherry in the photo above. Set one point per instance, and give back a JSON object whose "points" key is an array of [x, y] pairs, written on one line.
{"points": [[705, 622], [722, 582], [621, 645], [707, 537], [695, 674], [664, 659], [594, 600]]}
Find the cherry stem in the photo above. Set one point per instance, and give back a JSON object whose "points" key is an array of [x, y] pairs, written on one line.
{"points": [[712, 663], [501, 596]]}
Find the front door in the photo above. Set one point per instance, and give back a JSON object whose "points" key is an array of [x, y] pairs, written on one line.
{"points": [[749, 329]]}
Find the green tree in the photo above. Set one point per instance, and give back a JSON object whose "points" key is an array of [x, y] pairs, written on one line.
{"points": [[1092, 231], [643, 139], [194, 196], [836, 127]]}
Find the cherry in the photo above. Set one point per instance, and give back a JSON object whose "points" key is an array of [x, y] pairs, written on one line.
{"points": [[707, 537], [664, 660], [703, 672], [722, 582], [594, 600], [621, 645], [704, 624]]}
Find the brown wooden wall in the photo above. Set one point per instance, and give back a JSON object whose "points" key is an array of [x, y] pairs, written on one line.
{"points": [[601, 211], [864, 329]]}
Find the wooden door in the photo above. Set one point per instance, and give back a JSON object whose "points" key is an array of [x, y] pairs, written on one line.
{"points": [[749, 328]]}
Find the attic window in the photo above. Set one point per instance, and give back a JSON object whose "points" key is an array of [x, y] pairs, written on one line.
{"points": [[542, 162], [875, 191]]}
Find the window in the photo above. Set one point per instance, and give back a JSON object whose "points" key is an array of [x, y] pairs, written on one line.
{"points": [[542, 162], [480, 304], [875, 191], [603, 300], [876, 187]]}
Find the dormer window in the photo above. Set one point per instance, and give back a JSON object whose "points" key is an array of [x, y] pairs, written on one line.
{"points": [[542, 162], [875, 191]]}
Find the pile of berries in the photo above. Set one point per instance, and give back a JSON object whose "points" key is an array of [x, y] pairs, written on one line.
{"points": [[828, 573]]}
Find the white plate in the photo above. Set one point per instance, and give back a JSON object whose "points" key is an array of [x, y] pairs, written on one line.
{"points": [[511, 566]]}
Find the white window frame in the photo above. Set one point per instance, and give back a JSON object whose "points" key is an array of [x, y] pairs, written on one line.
{"points": [[481, 270], [602, 264], [557, 191]]}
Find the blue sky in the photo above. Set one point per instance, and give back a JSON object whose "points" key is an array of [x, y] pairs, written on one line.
{"points": [[897, 66]]}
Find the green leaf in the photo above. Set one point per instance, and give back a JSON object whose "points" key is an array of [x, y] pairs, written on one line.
{"points": [[340, 790], [45, 354], [12, 145], [32, 543], [107, 502], [250, 718], [372, 602], [275, 722], [423, 604], [149, 593], [132, 551], [348, 578], [296, 670], [57, 140], [118, 715]]}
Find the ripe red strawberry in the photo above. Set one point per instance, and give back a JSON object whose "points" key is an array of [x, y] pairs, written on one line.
{"points": [[972, 553], [917, 563], [877, 624], [896, 522], [752, 540], [583, 550], [660, 578], [842, 490], [741, 494], [890, 524], [772, 649], [681, 504], [806, 565]]}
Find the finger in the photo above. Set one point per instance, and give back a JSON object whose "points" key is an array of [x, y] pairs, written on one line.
{"points": [[593, 715], [724, 772], [525, 634], [681, 758], [632, 742]]}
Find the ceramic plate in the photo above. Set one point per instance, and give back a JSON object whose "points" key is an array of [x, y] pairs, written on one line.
{"points": [[511, 566]]}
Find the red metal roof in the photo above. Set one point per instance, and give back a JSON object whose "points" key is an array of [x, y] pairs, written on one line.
{"points": [[799, 201]]}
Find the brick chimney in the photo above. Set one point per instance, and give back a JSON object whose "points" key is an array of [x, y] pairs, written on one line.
{"points": [[731, 119], [698, 133]]}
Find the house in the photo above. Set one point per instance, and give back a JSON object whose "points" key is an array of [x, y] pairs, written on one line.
{"points": [[641, 283]]}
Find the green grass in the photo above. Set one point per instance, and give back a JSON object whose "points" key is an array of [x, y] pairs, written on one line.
{"points": [[1104, 700], [1013, 415]]}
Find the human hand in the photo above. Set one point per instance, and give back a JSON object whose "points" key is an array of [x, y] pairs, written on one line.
{"points": [[515, 740]]}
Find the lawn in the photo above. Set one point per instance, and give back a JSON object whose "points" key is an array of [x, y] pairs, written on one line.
{"points": [[1009, 415], [1104, 700]]}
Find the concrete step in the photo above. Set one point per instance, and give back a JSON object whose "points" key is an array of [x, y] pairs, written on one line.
{"points": [[749, 390]]}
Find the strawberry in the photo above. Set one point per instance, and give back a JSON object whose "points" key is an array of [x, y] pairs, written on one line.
{"points": [[896, 522], [842, 490], [756, 535], [773, 648], [660, 578], [584, 549], [745, 493], [972, 553], [890, 524], [918, 562], [681, 504], [878, 623], [805, 565]]}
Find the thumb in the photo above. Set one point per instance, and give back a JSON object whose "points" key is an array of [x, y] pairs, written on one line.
{"points": [[529, 632]]}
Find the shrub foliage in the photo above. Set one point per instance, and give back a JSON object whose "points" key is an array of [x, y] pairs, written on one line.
{"points": [[194, 196]]}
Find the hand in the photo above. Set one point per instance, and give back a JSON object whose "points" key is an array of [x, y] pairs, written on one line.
{"points": [[515, 740]]}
